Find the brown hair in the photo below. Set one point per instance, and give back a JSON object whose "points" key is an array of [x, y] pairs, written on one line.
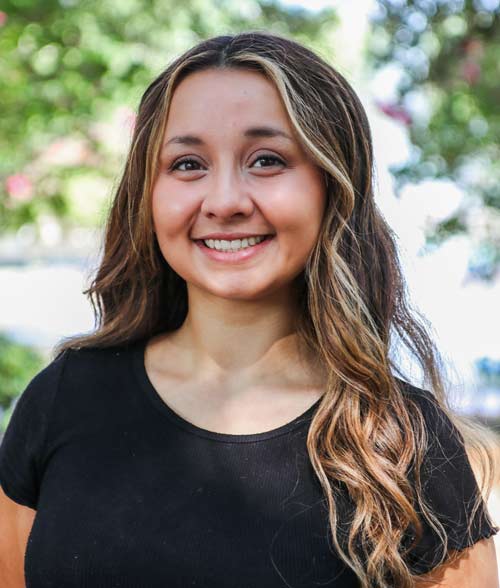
{"points": [[366, 433]]}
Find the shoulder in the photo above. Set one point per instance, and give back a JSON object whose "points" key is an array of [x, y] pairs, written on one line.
{"points": [[476, 564], [444, 446], [449, 488], [69, 365], [420, 395], [92, 365], [39, 394], [435, 415], [93, 360], [35, 403], [91, 380], [71, 387]]}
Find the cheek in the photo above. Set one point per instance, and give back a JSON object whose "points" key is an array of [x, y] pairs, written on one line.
{"points": [[170, 211], [314, 202], [169, 220], [296, 210]]}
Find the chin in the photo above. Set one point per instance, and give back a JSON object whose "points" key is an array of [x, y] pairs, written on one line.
{"points": [[227, 292]]}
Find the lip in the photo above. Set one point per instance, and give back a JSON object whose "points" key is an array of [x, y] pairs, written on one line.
{"points": [[230, 236], [234, 256]]}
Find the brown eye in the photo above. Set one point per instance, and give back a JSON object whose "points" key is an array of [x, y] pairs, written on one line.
{"points": [[188, 162], [269, 158]]}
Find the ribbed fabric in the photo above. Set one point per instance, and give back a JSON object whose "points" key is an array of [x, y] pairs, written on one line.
{"points": [[130, 494]]}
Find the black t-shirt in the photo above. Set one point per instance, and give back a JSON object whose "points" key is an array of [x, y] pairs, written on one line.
{"points": [[130, 494]]}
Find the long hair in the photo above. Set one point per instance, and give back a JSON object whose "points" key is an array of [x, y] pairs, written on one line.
{"points": [[366, 433]]}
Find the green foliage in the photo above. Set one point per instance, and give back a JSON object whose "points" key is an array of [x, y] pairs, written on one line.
{"points": [[18, 364], [449, 51], [73, 72]]}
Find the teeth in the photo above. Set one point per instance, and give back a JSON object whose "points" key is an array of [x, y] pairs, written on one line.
{"points": [[236, 245]]}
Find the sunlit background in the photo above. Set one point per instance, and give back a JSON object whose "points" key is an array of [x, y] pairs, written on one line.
{"points": [[427, 72]]}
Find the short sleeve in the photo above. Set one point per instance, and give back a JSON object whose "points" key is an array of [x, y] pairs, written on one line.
{"points": [[22, 446], [450, 488]]}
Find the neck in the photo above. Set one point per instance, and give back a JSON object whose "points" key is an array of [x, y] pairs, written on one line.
{"points": [[243, 341]]}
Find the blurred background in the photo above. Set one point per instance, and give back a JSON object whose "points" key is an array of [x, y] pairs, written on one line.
{"points": [[427, 72]]}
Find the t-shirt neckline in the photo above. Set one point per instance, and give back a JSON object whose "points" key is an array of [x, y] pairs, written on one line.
{"points": [[139, 369]]}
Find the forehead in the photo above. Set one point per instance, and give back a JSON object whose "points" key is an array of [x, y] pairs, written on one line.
{"points": [[222, 97]]}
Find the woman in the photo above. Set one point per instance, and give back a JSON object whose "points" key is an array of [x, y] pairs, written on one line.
{"points": [[235, 419]]}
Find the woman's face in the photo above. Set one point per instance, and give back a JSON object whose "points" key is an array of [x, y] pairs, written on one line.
{"points": [[230, 168]]}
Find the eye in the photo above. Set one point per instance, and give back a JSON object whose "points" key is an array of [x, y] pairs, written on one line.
{"points": [[186, 161], [189, 162], [271, 158]]}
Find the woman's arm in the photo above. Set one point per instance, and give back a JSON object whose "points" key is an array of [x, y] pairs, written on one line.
{"points": [[477, 567], [15, 526]]}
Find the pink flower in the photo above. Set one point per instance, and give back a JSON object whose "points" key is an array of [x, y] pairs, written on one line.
{"points": [[473, 48], [66, 151], [471, 72], [19, 187], [396, 112], [3, 18]]}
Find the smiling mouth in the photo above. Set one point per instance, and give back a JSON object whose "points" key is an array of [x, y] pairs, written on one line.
{"points": [[234, 245]]}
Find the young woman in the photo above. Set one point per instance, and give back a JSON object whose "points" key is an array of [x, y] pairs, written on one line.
{"points": [[235, 420]]}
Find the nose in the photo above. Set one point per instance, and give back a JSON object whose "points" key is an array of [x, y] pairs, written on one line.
{"points": [[227, 194]]}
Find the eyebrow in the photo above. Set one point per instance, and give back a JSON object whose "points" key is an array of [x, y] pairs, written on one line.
{"points": [[252, 132]]}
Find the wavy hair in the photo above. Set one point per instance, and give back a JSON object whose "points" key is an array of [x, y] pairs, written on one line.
{"points": [[366, 433]]}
